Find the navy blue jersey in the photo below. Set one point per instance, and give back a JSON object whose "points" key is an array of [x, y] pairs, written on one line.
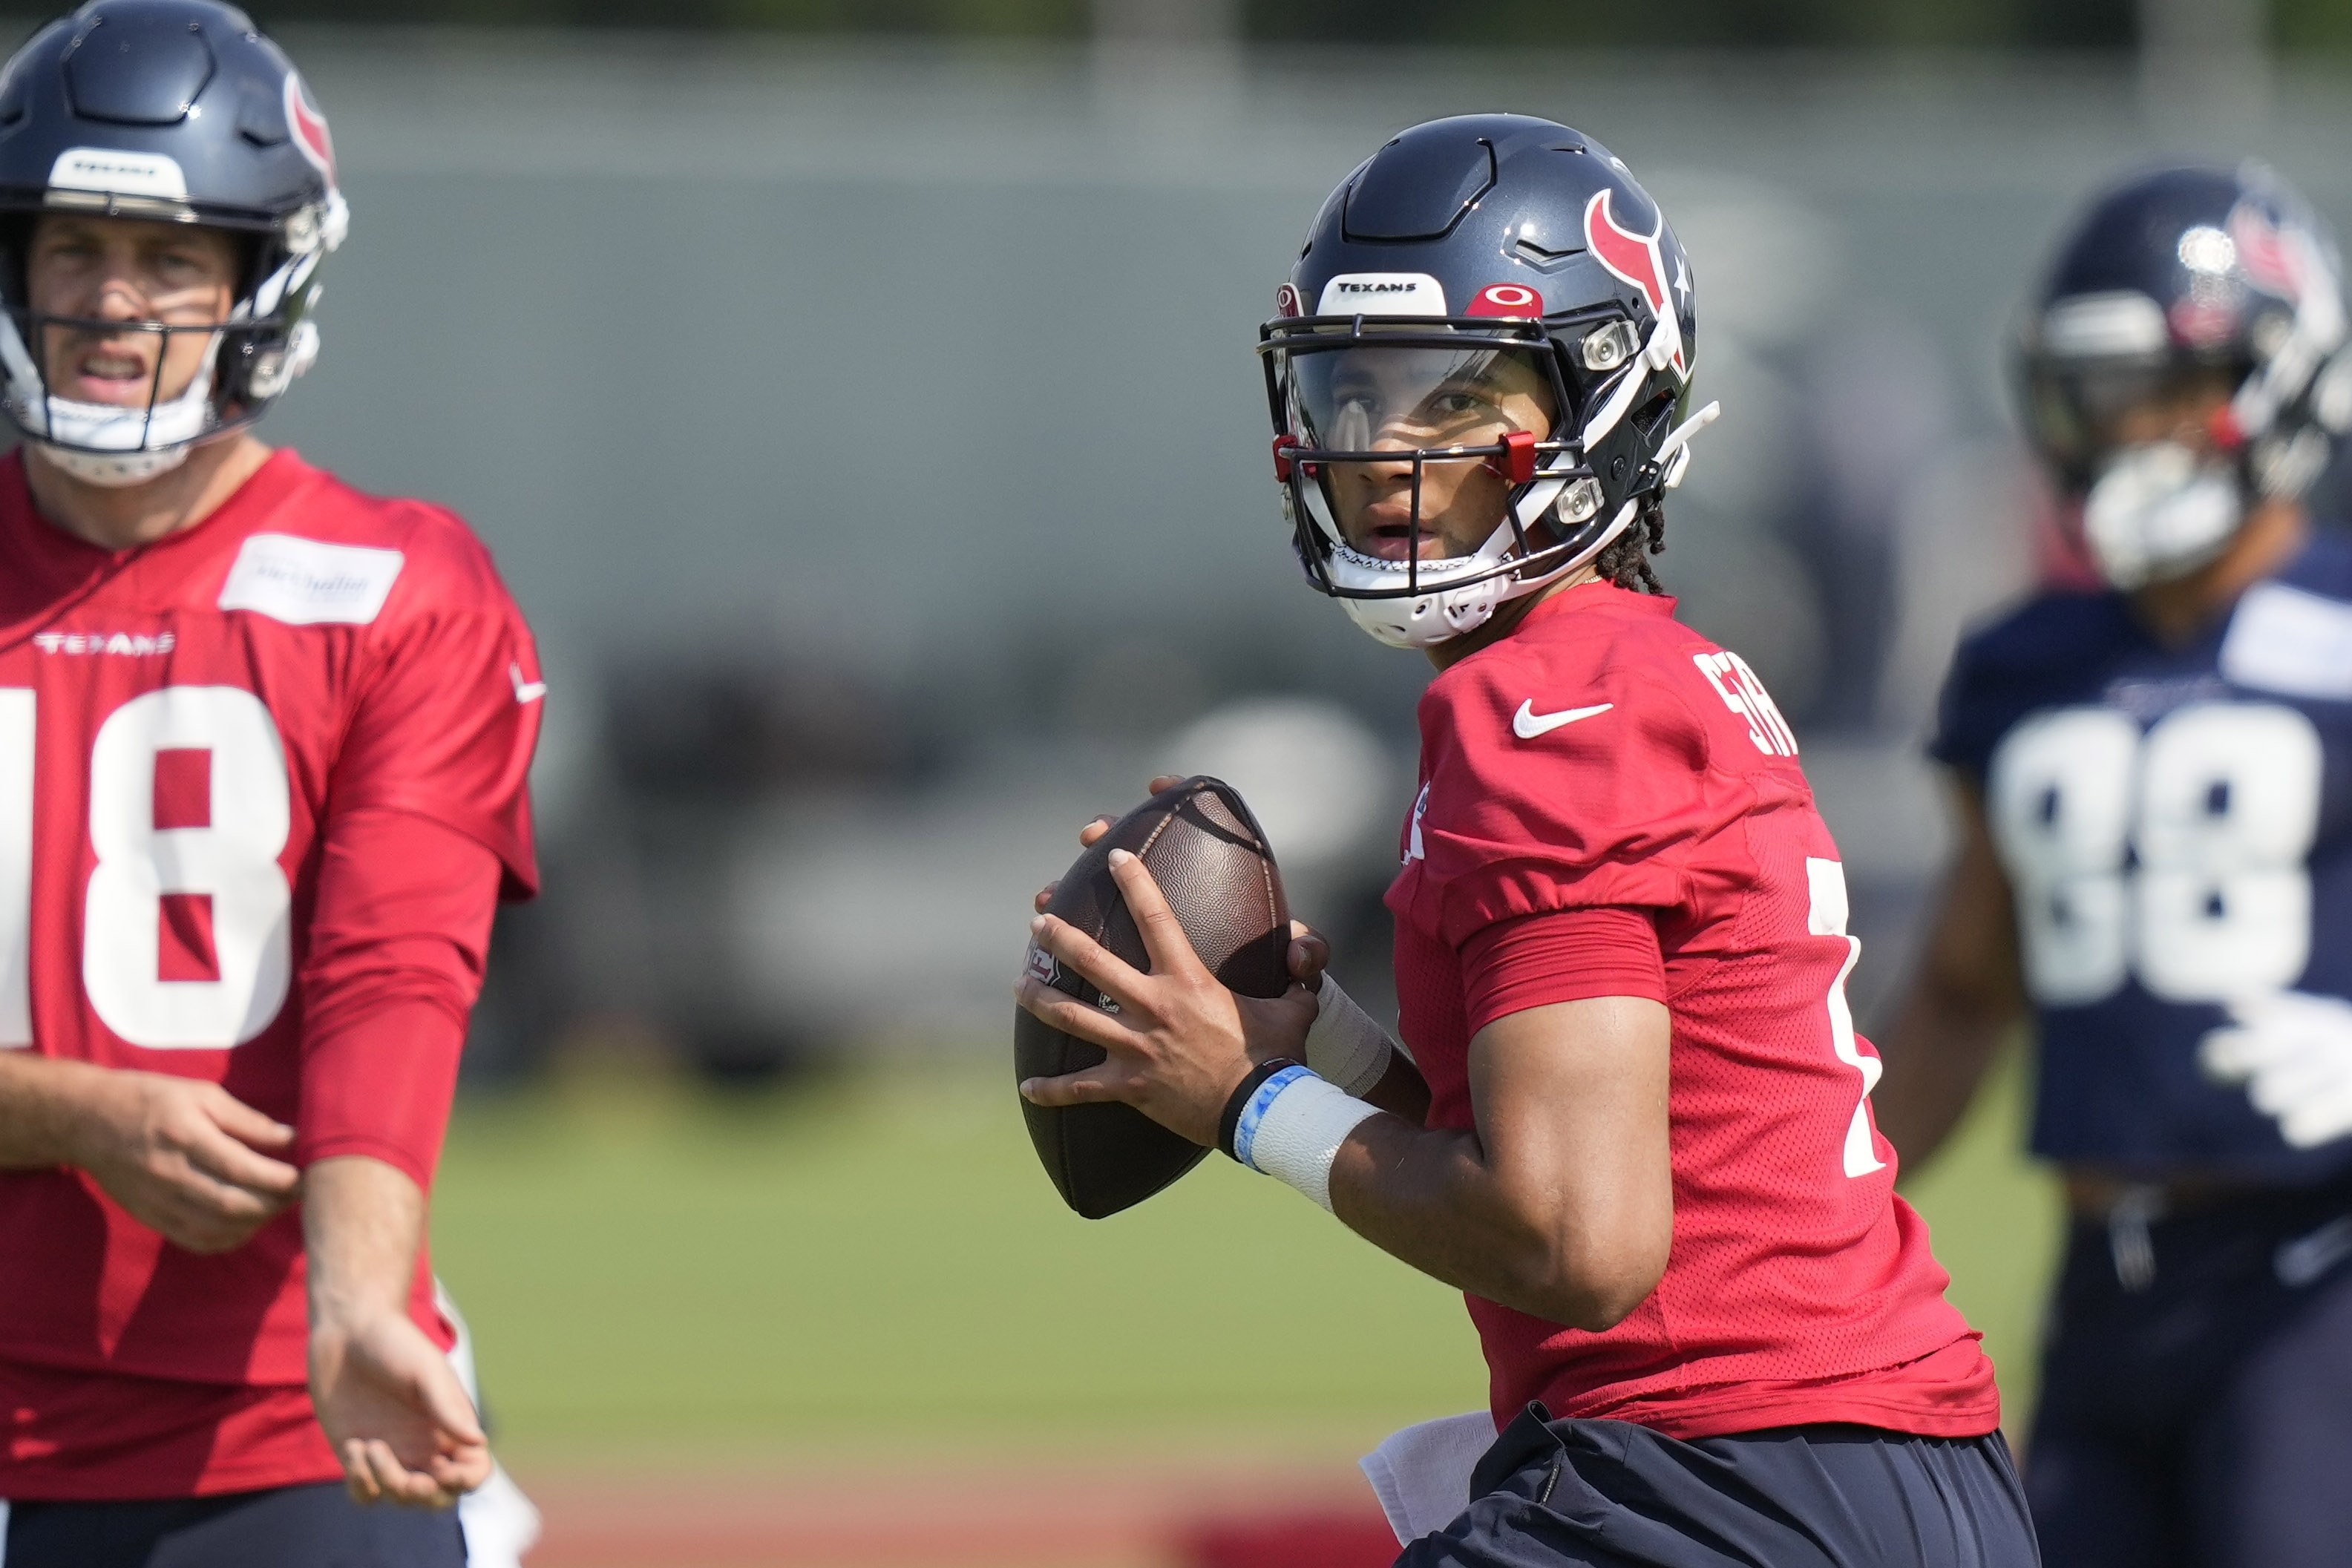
{"points": [[2177, 826]]}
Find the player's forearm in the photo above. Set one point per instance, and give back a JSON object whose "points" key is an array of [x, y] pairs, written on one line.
{"points": [[1967, 994], [1401, 1091], [363, 1222], [48, 1109], [1430, 1199], [1938, 1053], [1560, 1201]]}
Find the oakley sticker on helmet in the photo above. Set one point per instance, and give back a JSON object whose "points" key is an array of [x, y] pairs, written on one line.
{"points": [[1382, 294], [1639, 260], [1506, 300], [1285, 301], [309, 128], [119, 174]]}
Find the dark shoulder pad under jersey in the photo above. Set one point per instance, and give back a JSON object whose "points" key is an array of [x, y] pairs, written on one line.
{"points": [[2016, 664]]}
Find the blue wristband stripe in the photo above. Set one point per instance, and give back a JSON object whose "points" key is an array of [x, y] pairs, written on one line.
{"points": [[1245, 1130]]}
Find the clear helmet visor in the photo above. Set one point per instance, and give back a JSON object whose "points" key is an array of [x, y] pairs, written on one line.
{"points": [[1410, 421]]}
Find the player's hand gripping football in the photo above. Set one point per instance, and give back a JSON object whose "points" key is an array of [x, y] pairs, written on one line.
{"points": [[1180, 1042], [182, 1156]]}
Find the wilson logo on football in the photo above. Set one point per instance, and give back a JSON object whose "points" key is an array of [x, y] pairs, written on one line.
{"points": [[1639, 260], [1515, 299]]}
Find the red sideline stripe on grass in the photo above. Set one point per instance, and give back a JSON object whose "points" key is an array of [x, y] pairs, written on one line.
{"points": [[940, 1511]]}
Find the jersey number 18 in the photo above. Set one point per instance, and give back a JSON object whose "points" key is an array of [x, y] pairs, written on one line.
{"points": [[230, 863]]}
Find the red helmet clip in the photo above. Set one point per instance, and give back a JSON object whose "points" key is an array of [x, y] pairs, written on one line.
{"points": [[1516, 461], [2222, 428]]}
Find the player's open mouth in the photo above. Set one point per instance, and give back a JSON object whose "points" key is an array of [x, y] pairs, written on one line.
{"points": [[1385, 532], [102, 374], [1392, 544]]}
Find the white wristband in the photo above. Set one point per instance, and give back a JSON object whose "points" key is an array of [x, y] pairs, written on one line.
{"points": [[1345, 1044], [1292, 1127]]}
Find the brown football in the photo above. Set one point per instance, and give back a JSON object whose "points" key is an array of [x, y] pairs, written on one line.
{"points": [[1210, 858]]}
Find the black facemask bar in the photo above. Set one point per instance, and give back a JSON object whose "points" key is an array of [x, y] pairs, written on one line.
{"points": [[2071, 404], [1520, 458], [237, 343]]}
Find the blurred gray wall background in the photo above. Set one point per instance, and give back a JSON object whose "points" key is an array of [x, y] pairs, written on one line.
{"points": [[873, 434]]}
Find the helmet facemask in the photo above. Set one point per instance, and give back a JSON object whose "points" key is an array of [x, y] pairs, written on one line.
{"points": [[1433, 470], [2152, 449], [243, 362]]}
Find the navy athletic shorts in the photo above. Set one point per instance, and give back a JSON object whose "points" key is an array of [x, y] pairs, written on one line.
{"points": [[2204, 1418], [288, 1527], [1609, 1494]]}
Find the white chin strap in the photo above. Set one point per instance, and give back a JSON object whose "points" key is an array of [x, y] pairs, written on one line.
{"points": [[1443, 613], [2159, 511], [102, 444]]}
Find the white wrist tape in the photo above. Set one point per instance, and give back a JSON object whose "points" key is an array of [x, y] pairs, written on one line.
{"points": [[1345, 1044], [1292, 1127]]}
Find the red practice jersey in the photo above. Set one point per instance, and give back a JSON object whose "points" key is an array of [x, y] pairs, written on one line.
{"points": [[260, 784], [1601, 769]]}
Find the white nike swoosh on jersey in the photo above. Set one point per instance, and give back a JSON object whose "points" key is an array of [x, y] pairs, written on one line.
{"points": [[1527, 724], [526, 691]]}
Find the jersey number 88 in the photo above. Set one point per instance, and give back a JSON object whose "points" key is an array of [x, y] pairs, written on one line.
{"points": [[2177, 857]]}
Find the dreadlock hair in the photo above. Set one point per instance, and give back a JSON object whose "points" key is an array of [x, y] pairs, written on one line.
{"points": [[1625, 561]]}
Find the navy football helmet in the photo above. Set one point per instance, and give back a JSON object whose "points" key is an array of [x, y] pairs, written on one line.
{"points": [[175, 111], [1479, 371], [2180, 290]]}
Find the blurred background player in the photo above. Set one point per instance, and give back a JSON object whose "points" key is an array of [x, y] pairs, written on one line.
{"points": [[1708, 1317], [263, 742], [2154, 779]]}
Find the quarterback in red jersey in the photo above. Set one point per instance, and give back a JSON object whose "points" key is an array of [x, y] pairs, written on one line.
{"points": [[1715, 1334], [263, 747]]}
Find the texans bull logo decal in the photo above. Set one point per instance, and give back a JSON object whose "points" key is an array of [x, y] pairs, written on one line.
{"points": [[1639, 260], [309, 129], [2265, 253]]}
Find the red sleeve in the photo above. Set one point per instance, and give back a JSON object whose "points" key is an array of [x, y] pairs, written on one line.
{"points": [[1605, 811], [1569, 956], [446, 723], [397, 944]]}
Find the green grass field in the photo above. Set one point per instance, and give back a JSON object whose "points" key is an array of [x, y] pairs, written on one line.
{"points": [[653, 1271]]}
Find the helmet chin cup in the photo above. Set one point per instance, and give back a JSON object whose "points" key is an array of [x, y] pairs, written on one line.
{"points": [[2160, 511], [1442, 614], [112, 470], [106, 445], [1430, 619]]}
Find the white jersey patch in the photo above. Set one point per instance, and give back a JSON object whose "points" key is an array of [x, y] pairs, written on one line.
{"points": [[2283, 640], [306, 583]]}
